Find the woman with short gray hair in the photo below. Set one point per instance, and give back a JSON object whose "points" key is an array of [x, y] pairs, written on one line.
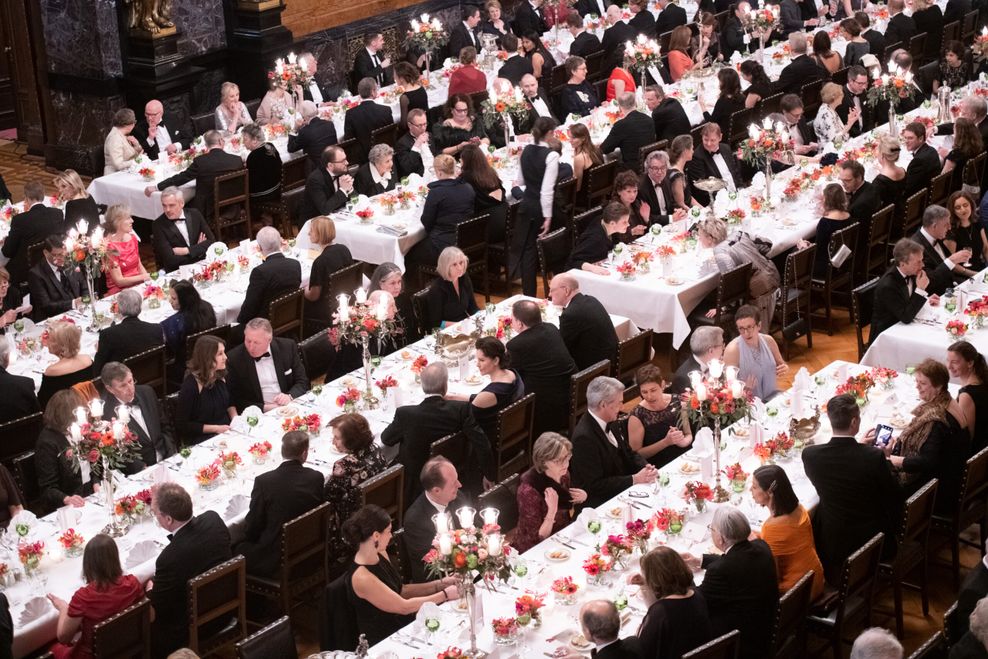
{"points": [[120, 147], [376, 176], [450, 298]]}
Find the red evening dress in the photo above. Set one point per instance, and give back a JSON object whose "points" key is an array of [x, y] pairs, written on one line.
{"points": [[94, 606], [127, 258]]}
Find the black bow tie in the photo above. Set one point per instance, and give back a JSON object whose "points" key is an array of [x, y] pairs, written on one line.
{"points": [[257, 359], [170, 536]]}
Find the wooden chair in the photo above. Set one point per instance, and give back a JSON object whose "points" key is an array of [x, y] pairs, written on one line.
{"points": [[793, 309], [912, 213], [471, 237], [302, 565], [293, 173], [970, 509], [874, 261], [352, 151], [891, 48], [810, 94], [222, 332], [969, 25], [386, 490], [770, 105], [20, 435], [169, 410], [558, 78], [151, 368], [954, 625], [498, 253], [564, 203], [738, 128], [974, 170], [553, 250], [599, 87], [595, 65], [35, 253], [723, 647], [853, 601], [732, 293], [633, 353], [420, 305], [578, 383], [837, 282], [275, 640], [398, 550], [286, 313], [913, 542], [231, 191], [951, 32], [917, 48], [512, 442], [125, 635], [385, 135], [599, 181], [583, 220], [26, 477], [87, 390], [317, 354], [940, 189], [452, 447], [840, 76], [504, 497], [862, 307], [935, 647], [218, 594], [203, 122], [789, 634]]}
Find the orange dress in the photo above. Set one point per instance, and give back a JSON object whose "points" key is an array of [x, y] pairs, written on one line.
{"points": [[794, 551], [679, 63], [619, 74]]}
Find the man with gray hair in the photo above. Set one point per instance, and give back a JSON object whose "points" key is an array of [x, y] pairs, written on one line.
{"points": [[266, 370], [361, 121], [204, 170], [19, 398], [706, 344], [277, 276], [944, 269], [416, 427], [974, 644], [902, 290], [142, 413], [180, 236], [655, 190], [603, 463], [876, 643], [741, 584], [314, 136], [630, 133], [129, 337], [801, 71]]}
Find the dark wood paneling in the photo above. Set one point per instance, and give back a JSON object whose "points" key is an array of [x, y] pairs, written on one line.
{"points": [[20, 22], [7, 117], [304, 17]]}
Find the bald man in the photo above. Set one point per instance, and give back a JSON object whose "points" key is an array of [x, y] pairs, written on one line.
{"points": [[158, 133], [601, 624], [585, 325]]}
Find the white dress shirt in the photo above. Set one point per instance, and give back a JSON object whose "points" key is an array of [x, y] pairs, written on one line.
{"points": [[382, 179], [426, 154], [909, 284], [267, 377], [137, 415], [183, 229], [548, 190], [661, 196], [540, 107], [57, 272], [162, 139], [725, 171], [315, 92]]}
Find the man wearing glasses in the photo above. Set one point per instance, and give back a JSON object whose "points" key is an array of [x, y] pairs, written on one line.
{"points": [[413, 153], [153, 132], [327, 188]]}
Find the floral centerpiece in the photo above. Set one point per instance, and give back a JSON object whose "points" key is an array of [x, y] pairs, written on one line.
{"points": [[208, 477], [386, 383], [980, 46], [669, 521], [617, 547], [641, 54], [642, 260], [627, 270], [357, 324], [639, 531], [420, 363], [134, 506], [259, 451], [776, 447], [565, 590], [209, 273], [858, 386], [146, 173], [30, 555], [425, 34], [977, 309], [452, 653], [884, 376], [734, 216], [243, 262], [348, 399], [737, 476], [761, 20], [764, 144], [502, 107], [154, 295], [890, 88], [310, 423], [956, 328], [228, 462], [465, 551], [505, 630], [597, 567], [72, 543], [88, 252], [698, 494], [527, 609], [290, 75]]}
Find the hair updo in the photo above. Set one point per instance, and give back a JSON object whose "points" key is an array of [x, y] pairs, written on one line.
{"points": [[364, 523]]}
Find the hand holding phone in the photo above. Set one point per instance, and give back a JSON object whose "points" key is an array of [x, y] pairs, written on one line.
{"points": [[883, 435]]}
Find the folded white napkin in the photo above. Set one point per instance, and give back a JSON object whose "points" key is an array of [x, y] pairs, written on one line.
{"points": [[142, 552], [34, 609], [802, 380], [703, 444], [25, 519], [237, 505]]}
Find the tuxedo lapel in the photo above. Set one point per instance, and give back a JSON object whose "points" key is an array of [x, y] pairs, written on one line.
{"points": [[58, 288], [175, 236]]}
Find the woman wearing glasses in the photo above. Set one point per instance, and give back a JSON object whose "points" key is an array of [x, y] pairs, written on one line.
{"points": [[755, 354], [460, 128]]}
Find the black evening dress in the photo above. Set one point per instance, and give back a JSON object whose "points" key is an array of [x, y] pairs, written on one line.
{"points": [[673, 627], [657, 424], [374, 623], [978, 393], [506, 393], [198, 408]]}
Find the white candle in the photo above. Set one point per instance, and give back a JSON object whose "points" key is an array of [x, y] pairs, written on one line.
{"points": [[701, 392], [292, 58], [441, 521], [123, 414], [82, 227], [344, 301], [70, 244], [382, 308], [737, 388], [489, 515], [731, 373], [696, 378], [494, 544], [716, 367], [360, 295], [75, 432], [118, 430], [80, 415], [466, 515], [97, 236], [96, 407], [445, 544]]}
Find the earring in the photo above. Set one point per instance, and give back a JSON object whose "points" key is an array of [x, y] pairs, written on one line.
{"points": [[375, 544]]}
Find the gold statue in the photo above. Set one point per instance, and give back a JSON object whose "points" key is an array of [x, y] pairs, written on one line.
{"points": [[150, 16]]}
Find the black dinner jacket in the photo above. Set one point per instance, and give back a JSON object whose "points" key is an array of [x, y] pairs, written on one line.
{"points": [[941, 277], [613, 43], [203, 543], [591, 246], [968, 647], [313, 138], [922, 169], [515, 68], [363, 182], [18, 398], [901, 28], [360, 121], [643, 23], [279, 496], [588, 7], [845, 474], [129, 337], [523, 125], [420, 530], [151, 148], [974, 588], [702, 166], [956, 10], [801, 71], [670, 18], [26, 229], [584, 44], [863, 204], [630, 134], [245, 389], [58, 475], [159, 439], [623, 648], [893, 304], [204, 170], [415, 427], [363, 67], [407, 161], [646, 193], [876, 42], [587, 331], [50, 296], [277, 276], [322, 195], [528, 19], [167, 237], [867, 114], [323, 89], [681, 379], [599, 467], [540, 356], [459, 38], [670, 120], [741, 591]]}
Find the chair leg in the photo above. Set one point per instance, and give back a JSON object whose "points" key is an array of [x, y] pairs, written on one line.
{"points": [[955, 558], [835, 644], [923, 591], [897, 597]]}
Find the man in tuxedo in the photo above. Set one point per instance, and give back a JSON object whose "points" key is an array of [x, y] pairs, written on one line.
{"points": [[131, 336], [156, 442], [715, 160], [670, 16], [804, 140], [584, 324], [584, 43], [277, 276], [415, 427], [654, 190], [464, 33], [943, 268], [862, 198], [603, 463], [203, 170], [529, 19], [545, 365], [902, 290], [377, 175], [19, 399], [516, 66], [158, 133], [802, 70], [440, 487], [740, 584], [54, 288], [901, 28], [313, 91], [279, 496], [265, 371], [413, 153], [538, 104], [591, 8], [601, 625], [734, 38], [925, 163], [181, 236], [314, 135], [329, 186], [706, 344], [616, 37], [791, 17], [370, 63], [859, 496], [629, 133], [875, 39], [195, 545], [30, 227], [361, 121], [855, 96], [973, 108], [974, 589], [668, 115]]}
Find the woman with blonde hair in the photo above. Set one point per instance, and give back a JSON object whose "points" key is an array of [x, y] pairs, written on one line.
{"points": [[204, 405], [231, 114], [64, 340], [586, 154], [123, 265], [332, 258], [494, 23], [120, 147], [891, 179], [10, 301], [450, 298], [79, 205], [827, 124]]}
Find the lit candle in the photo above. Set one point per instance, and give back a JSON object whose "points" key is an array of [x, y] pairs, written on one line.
{"points": [[425, 18], [701, 392], [382, 308], [445, 544], [70, 244], [716, 368], [441, 521], [97, 236], [96, 407], [489, 515], [118, 430], [292, 58], [344, 301], [696, 377], [466, 515], [494, 544], [80, 415], [737, 388], [123, 414], [360, 295], [753, 131], [82, 226], [731, 373], [767, 124], [76, 432]]}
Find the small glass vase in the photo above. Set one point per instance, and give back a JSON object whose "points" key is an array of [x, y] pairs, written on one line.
{"points": [[211, 485], [154, 303], [599, 579], [74, 552], [506, 640], [260, 459], [701, 505], [738, 485]]}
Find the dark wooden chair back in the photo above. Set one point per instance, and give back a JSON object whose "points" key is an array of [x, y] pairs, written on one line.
{"points": [[738, 129], [221, 332], [595, 64], [420, 305], [935, 647], [969, 25], [857, 582], [794, 303], [875, 261], [940, 189], [891, 48], [203, 122], [35, 253], [286, 315], [385, 135], [917, 48], [917, 515], [583, 220], [293, 173], [554, 250], [25, 473], [452, 447], [304, 550], [219, 593], [912, 215], [770, 105], [840, 76], [790, 621], [951, 31], [346, 280], [512, 442], [503, 497], [386, 490], [954, 625], [724, 647], [578, 383], [20, 435], [275, 640], [124, 635], [150, 367], [317, 354], [862, 308], [599, 183], [231, 191], [633, 353], [564, 202], [352, 151], [811, 98]]}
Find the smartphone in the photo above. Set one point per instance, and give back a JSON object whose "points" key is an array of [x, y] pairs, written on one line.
{"points": [[883, 435]]}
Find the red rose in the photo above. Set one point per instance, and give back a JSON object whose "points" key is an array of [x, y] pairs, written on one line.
{"points": [[93, 456]]}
